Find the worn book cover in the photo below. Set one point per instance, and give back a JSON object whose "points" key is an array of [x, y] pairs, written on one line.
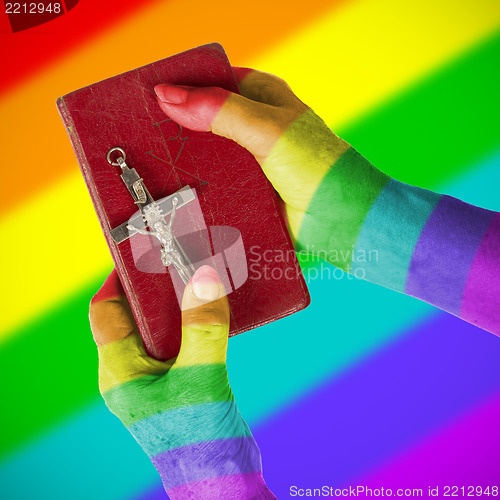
{"points": [[233, 223]]}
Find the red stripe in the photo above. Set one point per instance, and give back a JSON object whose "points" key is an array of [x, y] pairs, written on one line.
{"points": [[110, 289], [27, 52]]}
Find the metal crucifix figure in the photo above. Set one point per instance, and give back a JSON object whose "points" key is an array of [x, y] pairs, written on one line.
{"points": [[153, 215], [163, 231]]}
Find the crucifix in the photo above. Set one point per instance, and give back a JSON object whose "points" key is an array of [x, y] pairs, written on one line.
{"points": [[152, 214]]}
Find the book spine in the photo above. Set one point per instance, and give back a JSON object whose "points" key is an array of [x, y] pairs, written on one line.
{"points": [[103, 220]]}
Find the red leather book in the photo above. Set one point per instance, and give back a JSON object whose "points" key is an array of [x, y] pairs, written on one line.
{"points": [[236, 212]]}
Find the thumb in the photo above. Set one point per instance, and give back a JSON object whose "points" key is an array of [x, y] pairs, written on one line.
{"points": [[254, 125], [122, 356], [205, 320], [110, 315]]}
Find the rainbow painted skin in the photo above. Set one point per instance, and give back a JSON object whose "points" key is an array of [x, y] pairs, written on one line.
{"points": [[340, 207], [182, 412]]}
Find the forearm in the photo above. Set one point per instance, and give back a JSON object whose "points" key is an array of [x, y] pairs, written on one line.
{"points": [[221, 460], [217, 483], [431, 246], [342, 208], [196, 439]]}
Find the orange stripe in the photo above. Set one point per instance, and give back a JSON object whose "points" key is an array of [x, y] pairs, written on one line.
{"points": [[29, 116], [27, 52]]}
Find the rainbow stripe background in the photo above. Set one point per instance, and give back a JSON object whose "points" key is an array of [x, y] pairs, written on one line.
{"points": [[366, 386]]}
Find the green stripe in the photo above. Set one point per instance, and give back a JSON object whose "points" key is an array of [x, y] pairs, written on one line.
{"points": [[181, 387], [339, 206], [440, 127], [52, 369]]}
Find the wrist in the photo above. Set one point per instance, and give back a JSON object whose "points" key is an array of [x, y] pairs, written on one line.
{"points": [[335, 214], [219, 469], [392, 227], [301, 158]]}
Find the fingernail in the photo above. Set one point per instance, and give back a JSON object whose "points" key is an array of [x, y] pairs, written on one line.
{"points": [[171, 93], [205, 283]]}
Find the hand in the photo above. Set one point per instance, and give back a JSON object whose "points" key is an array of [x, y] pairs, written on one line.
{"points": [[341, 208], [296, 150], [182, 412]]}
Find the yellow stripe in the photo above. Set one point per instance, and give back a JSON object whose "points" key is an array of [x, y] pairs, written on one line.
{"points": [[202, 345], [360, 55], [125, 360], [52, 246], [300, 184]]}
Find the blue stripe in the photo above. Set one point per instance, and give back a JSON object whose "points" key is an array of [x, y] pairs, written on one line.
{"points": [[390, 232], [91, 456], [480, 186], [106, 462], [189, 425]]}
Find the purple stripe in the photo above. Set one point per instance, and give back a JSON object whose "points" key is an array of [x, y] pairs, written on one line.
{"points": [[207, 460], [466, 453], [240, 486], [386, 404], [481, 303], [444, 253]]}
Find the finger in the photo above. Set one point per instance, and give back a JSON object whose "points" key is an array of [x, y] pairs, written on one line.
{"points": [[205, 320], [266, 88], [241, 73], [110, 315], [254, 125], [194, 108], [122, 356]]}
